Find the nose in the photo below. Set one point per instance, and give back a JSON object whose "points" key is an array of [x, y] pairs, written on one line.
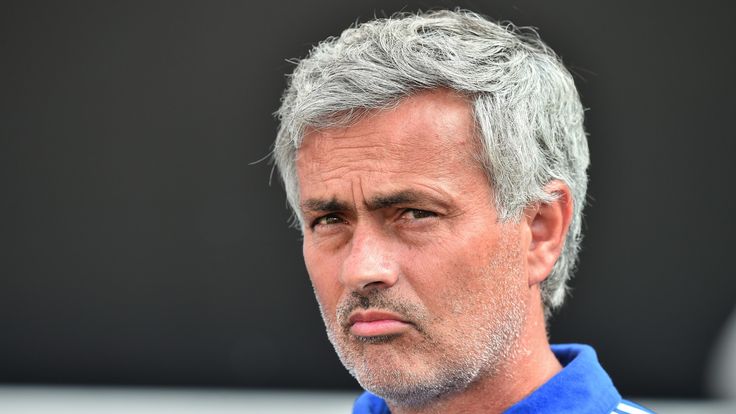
{"points": [[370, 262]]}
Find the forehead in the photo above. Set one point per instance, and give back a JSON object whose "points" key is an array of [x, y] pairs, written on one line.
{"points": [[428, 137]]}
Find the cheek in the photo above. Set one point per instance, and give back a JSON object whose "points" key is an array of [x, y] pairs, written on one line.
{"points": [[441, 275], [455, 277], [323, 273], [451, 257]]}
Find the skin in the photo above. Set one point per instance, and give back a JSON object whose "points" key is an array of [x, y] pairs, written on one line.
{"points": [[400, 229]]}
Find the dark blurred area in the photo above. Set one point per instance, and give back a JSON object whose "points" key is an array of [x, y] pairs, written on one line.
{"points": [[141, 242]]}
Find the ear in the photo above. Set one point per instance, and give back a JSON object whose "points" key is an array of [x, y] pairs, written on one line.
{"points": [[547, 225]]}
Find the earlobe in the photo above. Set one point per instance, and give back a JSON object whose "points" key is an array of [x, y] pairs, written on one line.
{"points": [[548, 224]]}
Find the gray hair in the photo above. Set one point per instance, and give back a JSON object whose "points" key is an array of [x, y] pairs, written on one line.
{"points": [[527, 111]]}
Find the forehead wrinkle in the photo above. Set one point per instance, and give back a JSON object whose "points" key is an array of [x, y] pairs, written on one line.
{"points": [[431, 172], [323, 163], [357, 187], [454, 140], [452, 143], [325, 142]]}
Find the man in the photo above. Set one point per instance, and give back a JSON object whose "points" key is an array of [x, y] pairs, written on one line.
{"points": [[436, 164]]}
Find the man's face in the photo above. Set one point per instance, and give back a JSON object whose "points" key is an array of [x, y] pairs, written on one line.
{"points": [[422, 289]]}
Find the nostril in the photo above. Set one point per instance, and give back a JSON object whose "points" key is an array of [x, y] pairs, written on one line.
{"points": [[376, 284]]}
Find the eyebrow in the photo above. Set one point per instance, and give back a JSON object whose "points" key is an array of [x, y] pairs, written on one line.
{"points": [[375, 203], [332, 205], [389, 200]]}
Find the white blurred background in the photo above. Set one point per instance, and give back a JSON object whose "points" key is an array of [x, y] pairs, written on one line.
{"points": [[101, 400]]}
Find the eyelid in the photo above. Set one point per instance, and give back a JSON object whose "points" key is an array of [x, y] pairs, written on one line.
{"points": [[316, 221], [427, 213]]}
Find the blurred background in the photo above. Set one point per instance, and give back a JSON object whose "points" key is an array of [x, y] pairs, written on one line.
{"points": [[144, 240]]}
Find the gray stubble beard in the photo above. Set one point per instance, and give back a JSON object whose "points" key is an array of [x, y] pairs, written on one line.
{"points": [[454, 370]]}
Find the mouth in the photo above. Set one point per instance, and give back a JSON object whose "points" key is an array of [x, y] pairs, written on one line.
{"points": [[369, 324]]}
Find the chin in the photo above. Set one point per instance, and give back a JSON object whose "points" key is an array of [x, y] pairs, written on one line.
{"points": [[408, 388], [407, 380]]}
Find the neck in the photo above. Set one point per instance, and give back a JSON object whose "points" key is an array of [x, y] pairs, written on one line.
{"points": [[532, 364]]}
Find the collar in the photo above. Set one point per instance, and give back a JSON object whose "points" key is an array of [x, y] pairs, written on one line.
{"points": [[582, 386]]}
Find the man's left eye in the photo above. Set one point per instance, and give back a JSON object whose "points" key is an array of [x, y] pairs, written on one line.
{"points": [[416, 214]]}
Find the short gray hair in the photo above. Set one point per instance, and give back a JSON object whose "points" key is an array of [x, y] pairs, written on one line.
{"points": [[526, 107]]}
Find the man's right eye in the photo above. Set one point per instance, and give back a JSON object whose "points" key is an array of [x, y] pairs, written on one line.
{"points": [[327, 220]]}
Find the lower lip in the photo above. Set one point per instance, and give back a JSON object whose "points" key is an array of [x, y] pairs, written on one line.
{"points": [[379, 327]]}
